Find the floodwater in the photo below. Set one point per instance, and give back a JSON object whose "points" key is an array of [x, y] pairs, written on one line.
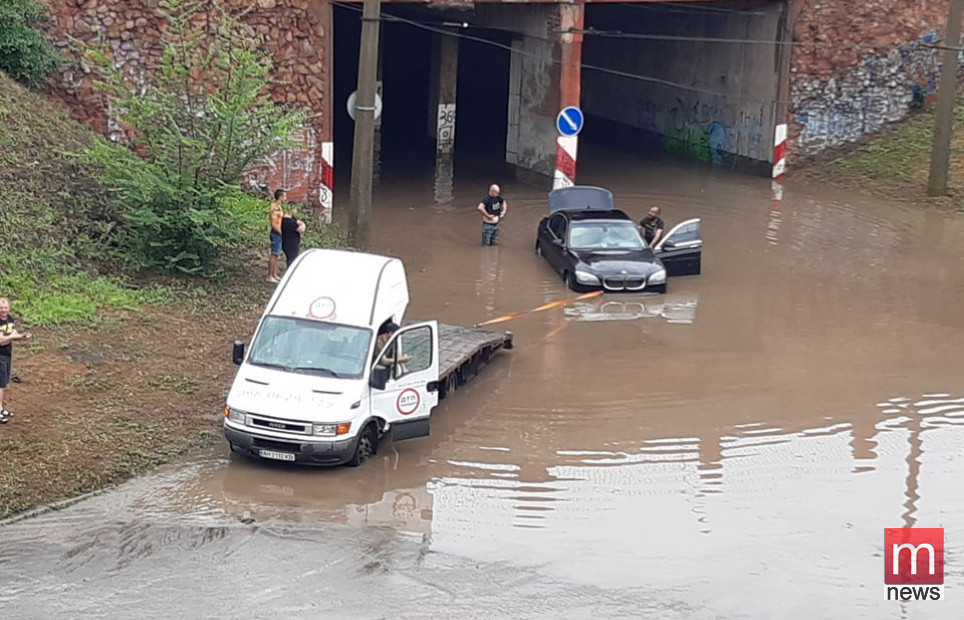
{"points": [[733, 449]]}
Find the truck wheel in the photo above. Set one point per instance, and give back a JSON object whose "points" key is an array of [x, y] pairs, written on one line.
{"points": [[365, 448]]}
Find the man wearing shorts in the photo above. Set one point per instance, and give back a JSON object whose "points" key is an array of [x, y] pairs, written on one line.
{"points": [[275, 215], [8, 335]]}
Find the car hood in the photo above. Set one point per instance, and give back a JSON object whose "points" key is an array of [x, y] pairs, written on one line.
{"points": [[293, 396], [634, 262]]}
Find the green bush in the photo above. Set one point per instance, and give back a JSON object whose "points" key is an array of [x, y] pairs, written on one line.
{"points": [[25, 53], [197, 124]]}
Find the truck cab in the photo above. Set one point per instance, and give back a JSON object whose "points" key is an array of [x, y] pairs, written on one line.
{"points": [[314, 386]]}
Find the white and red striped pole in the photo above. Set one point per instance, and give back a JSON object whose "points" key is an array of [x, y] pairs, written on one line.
{"points": [[327, 180], [565, 175], [780, 151]]}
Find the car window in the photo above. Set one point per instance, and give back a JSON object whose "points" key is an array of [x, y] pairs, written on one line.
{"points": [[557, 225], [605, 235], [687, 233]]}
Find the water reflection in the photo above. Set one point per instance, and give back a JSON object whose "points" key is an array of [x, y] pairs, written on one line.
{"points": [[672, 307]]}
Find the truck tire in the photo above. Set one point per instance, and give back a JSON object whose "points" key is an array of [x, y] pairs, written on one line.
{"points": [[365, 448]]}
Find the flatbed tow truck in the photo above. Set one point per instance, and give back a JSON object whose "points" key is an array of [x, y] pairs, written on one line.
{"points": [[318, 385]]}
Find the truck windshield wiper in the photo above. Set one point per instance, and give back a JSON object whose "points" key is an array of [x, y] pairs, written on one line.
{"points": [[316, 369], [269, 365]]}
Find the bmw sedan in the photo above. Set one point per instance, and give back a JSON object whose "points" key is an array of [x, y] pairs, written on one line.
{"points": [[593, 245]]}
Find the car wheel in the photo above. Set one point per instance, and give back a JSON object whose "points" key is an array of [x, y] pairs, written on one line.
{"points": [[365, 448], [538, 249]]}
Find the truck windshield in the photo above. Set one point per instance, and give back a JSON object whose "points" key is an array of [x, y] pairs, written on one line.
{"points": [[311, 347]]}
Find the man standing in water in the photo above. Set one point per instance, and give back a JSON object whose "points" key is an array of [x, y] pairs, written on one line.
{"points": [[653, 226], [493, 209]]}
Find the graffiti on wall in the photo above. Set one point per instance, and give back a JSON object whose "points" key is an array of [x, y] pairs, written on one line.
{"points": [[292, 169], [712, 131], [881, 90]]}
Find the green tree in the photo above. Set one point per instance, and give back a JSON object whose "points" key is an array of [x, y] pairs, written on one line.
{"points": [[25, 53], [194, 125]]}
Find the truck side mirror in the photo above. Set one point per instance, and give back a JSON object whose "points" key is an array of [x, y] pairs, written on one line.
{"points": [[237, 354], [379, 377]]}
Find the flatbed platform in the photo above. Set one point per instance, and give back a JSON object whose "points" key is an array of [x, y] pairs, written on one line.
{"points": [[463, 351]]}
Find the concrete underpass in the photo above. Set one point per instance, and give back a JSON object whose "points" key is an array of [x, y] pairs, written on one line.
{"points": [[696, 80]]}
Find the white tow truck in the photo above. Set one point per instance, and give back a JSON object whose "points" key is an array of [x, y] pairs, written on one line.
{"points": [[313, 388]]}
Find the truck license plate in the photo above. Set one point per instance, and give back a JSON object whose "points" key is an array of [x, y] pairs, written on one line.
{"points": [[279, 456]]}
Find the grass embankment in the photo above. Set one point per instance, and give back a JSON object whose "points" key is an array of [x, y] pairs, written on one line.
{"points": [[124, 372], [896, 163]]}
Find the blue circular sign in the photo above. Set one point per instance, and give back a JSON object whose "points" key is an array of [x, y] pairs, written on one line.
{"points": [[569, 122]]}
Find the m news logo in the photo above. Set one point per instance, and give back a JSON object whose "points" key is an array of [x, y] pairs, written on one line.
{"points": [[914, 563]]}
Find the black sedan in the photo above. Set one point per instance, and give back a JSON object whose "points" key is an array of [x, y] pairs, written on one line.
{"points": [[593, 245]]}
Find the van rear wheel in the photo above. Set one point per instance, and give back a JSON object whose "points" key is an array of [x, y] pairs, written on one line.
{"points": [[365, 449]]}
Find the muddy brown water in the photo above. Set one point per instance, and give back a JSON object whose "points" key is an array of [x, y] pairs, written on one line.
{"points": [[733, 449]]}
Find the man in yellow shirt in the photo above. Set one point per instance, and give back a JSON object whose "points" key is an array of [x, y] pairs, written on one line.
{"points": [[276, 214]]}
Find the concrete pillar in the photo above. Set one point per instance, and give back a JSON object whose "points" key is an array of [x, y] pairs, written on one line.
{"points": [[447, 79], [544, 77]]}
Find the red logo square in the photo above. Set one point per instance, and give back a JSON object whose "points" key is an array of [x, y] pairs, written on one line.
{"points": [[913, 555]]}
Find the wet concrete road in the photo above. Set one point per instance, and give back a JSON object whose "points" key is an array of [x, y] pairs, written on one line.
{"points": [[733, 449]]}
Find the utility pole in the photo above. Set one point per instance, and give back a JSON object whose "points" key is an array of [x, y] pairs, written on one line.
{"points": [[941, 154], [362, 161]]}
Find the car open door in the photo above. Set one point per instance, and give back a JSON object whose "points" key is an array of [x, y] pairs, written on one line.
{"points": [[681, 251], [410, 389]]}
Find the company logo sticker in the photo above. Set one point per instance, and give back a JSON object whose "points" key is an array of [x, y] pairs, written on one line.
{"points": [[322, 308], [408, 401]]}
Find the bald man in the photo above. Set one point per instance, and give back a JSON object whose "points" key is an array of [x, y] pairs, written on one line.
{"points": [[493, 208]]}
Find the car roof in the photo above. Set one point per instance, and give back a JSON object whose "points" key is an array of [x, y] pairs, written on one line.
{"points": [[615, 214]]}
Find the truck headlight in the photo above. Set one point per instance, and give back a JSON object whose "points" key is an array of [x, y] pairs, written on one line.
{"points": [[584, 277], [331, 430], [658, 278], [235, 415]]}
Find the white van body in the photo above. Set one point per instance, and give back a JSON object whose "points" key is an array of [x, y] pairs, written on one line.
{"points": [[308, 388]]}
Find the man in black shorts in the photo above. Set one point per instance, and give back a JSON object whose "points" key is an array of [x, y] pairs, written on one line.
{"points": [[8, 335]]}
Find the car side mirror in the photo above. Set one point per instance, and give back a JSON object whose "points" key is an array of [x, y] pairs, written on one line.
{"points": [[237, 354], [379, 378]]}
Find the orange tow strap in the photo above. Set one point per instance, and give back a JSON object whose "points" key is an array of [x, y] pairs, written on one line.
{"points": [[548, 306]]}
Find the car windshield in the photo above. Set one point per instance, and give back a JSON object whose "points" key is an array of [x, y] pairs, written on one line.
{"points": [[605, 235], [311, 347]]}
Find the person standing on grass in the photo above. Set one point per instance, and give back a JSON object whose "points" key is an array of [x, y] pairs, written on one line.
{"points": [[276, 214], [291, 230], [8, 335]]}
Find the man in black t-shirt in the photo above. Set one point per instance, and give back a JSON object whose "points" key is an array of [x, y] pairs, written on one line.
{"points": [[291, 229], [493, 209], [8, 335], [652, 226]]}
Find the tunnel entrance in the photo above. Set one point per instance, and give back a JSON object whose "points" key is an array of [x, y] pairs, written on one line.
{"points": [[693, 80], [409, 51]]}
